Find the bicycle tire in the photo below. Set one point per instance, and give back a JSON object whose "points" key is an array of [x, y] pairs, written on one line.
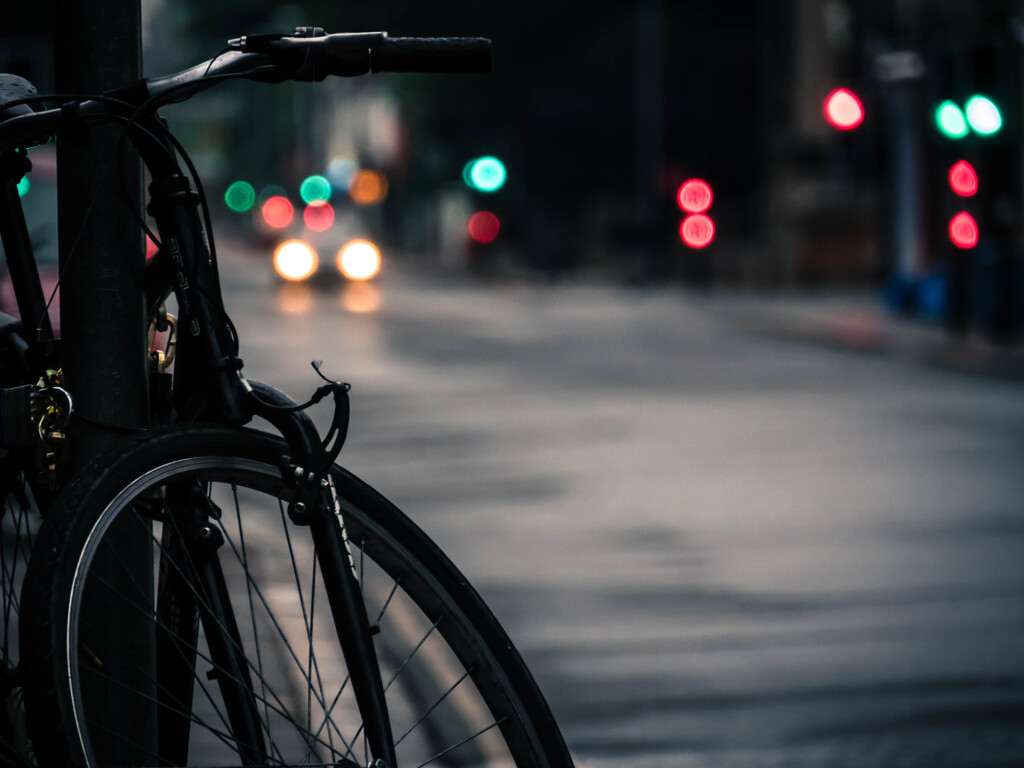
{"points": [[458, 692]]}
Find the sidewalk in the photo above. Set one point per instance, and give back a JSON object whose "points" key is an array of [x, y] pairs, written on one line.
{"points": [[859, 322]]}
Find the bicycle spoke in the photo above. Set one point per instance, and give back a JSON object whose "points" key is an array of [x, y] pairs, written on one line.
{"points": [[280, 631], [252, 612], [308, 623], [434, 706], [462, 743], [279, 710], [413, 653]]}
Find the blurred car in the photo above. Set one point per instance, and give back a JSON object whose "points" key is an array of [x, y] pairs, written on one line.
{"points": [[322, 245], [39, 200]]}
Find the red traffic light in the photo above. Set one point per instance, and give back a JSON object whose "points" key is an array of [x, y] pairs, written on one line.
{"points": [[278, 212], [697, 230], [963, 230], [484, 226], [962, 179], [843, 109], [694, 196]]}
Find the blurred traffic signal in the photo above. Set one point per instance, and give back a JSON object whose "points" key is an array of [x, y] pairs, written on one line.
{"points": [[980, 115], [318, 216], [963, 230], [23, 186], [843, 109], [697, 229], [694, 196], [315, 189], [278, 212], [950, 120], [484, 226], [962, 179], [484, 174], [240, 196], [983, 115]]}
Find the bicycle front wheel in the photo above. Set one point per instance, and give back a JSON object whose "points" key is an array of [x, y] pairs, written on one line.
{"points": [[121, 664]]}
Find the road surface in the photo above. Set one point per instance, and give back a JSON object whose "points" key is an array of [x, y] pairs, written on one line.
{"points": [[713, 548]]}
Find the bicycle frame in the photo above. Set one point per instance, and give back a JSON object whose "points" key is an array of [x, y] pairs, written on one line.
{"points": [[207, 386]]}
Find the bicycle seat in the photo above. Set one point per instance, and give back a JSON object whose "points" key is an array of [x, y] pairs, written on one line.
{"points": [[14, 88]]}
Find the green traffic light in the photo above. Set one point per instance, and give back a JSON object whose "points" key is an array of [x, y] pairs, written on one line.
{"points": [[485, 174], [23, 186], [983, 115], [950, 120], [315, 189], [240, 196]]}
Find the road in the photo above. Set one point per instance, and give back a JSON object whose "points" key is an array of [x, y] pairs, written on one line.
{"points": [[713, 548]]}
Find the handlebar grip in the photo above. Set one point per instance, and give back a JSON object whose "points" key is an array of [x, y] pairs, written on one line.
{"points": [[432, 54]]}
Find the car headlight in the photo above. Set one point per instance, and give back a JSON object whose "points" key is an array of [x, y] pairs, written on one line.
{"points": [[295, 260], [359, 260]]}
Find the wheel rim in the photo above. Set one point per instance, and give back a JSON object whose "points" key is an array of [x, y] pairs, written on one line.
{"points": [[440, 715], [19, 523]]}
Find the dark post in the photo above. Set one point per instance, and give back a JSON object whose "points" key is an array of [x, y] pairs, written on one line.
{"points": [[102, 254], [97, 46]]}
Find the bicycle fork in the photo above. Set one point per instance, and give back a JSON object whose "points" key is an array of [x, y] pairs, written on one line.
{"points": [[194, 550]]}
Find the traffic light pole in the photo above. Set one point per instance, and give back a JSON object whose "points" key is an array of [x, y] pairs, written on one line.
{"points": [[102, 254]]}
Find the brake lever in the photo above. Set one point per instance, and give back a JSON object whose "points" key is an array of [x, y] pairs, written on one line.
{"points": [[266, 42]]}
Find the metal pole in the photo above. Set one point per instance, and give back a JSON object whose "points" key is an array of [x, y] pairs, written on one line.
{"points": [[102, 253], [98, 46]]}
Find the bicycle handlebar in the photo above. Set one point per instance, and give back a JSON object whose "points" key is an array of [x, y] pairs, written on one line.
{"points": [[432, 54], [308, 54]]}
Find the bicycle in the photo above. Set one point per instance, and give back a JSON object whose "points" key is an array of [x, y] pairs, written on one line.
{"points": [[206, 640]]}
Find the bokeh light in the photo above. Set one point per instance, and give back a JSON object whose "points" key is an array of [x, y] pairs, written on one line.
{"points": [[359, 260], [697, 230], [950, 120], [340, 172], [368, 188], [694, 196], [315, 189], [843, 109], [484, 226], [983, 115], [962, 179], [295, 260], [278, 212], [485, 174], [240, 196], [318, 216], [963, 230]]}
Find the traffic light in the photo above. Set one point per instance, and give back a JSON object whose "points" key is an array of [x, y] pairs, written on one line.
{"points": [[315, 189], [278, 212], [484, 226], [980, 115], [983, 115], [697, 229], [240, 196], [484, 174], [950, 120], [843, 109], [963, 179]]}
